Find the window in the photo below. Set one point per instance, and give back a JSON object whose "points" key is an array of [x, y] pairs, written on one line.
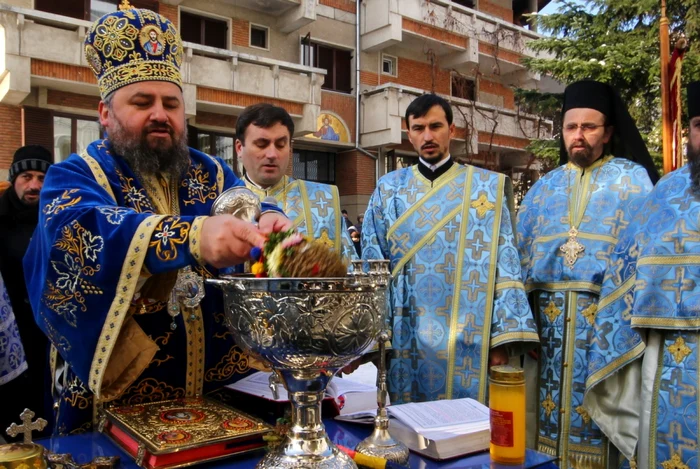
{"points": [[395, 161], [465, 3], [389, 65], [463, 87], [216, 144], [336, 62], [90, 10], [73, 134], [204, 30], [314, 166], [258, 36]]}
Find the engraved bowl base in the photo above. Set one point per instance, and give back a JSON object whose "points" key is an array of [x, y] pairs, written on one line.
{"points": [[317, 453]]}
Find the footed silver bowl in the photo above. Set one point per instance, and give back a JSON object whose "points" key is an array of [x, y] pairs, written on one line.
{"points": [[307, 330]]}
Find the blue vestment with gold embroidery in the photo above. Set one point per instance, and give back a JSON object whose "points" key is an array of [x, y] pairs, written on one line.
{"points": [[314, 208], [647, 331], [601, 200], [100, 269], [457, 290]]}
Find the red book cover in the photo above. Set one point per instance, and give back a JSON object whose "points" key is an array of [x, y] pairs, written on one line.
{"points": [[170, 434]]}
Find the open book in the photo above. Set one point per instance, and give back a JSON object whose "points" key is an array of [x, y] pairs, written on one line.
{"points": [[348, 396], [442, 429]]}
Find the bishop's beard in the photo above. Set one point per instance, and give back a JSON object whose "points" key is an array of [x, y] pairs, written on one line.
{"points": [[168, 157]]}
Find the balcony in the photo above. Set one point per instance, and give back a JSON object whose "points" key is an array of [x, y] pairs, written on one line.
{"points": [[45, 50], [291, 14], [494, 130], [463, 38]]}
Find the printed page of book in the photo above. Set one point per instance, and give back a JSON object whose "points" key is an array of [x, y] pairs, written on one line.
{"points": [[258, 384], [365, 373], [445, 417]]}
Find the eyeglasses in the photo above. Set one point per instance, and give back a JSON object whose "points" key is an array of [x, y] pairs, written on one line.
{"points": [[585, 127]]}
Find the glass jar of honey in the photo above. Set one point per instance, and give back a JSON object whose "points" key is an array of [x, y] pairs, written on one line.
{"points": [[507, 409]]}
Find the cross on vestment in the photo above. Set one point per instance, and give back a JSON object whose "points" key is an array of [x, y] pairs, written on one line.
{"points": [[27, 426], [572, 248]]}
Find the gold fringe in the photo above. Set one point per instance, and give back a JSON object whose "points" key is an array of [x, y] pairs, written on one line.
{"points": [[585, 461]]}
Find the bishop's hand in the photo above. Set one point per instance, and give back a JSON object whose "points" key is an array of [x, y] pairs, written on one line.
{"points": [[226, 240]]}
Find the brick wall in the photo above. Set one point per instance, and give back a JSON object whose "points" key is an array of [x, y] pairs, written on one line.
{"points": [[345, 5], [411, 73], [10, 133], [344, 106], [44, 68], [170, 12], [498, 89], [433, 32], [240, 36], [217, 120], [496, 10], [79, 101], [502, 54], [503, 140], [239, 99], [357, 171]]}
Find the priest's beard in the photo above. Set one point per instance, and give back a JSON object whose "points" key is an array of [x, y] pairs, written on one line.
{"points": [[581, 158], [694, 167], [170, 158]]}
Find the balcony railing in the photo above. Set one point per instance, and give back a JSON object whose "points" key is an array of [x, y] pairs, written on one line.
{"points": [[386, 106]]}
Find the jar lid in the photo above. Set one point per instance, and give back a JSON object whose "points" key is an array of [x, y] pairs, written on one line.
{"points": [[507, 374], [22, 453]]}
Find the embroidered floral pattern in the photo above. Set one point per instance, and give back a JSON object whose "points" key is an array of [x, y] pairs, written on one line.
{"points": [[115, 37], [135, 197], [234, 362], [58, 204], [199, 188], [114, 215], [169, 234], [66, 293]]}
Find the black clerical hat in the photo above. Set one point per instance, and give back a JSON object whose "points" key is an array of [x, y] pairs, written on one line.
{"points": [[626, 141], [693, 99]]}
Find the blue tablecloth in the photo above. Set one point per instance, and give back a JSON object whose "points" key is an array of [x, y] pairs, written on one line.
{"points": [[86, 447]]}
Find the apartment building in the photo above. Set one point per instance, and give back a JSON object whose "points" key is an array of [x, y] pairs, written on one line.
{"points": [[344, 69]]}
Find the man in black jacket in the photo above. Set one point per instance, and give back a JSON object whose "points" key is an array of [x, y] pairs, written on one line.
{"points": [[19, 213]]}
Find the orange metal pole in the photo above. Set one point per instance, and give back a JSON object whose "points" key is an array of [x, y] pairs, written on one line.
{"points": [[666, 118]]}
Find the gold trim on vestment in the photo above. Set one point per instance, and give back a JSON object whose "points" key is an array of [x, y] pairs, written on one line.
{"points": [[665, 323], [616, 294], [131, 268], [509, 284], [490, 286], [589, 287], [306, 207], [655, 404], [514, 337], [194, 239], [338, 219], [614, 365], [580, 235], [220, 178], [98, 173], [438, 184], [567, 368], [669, 259], [454, 310], [194, 329]]}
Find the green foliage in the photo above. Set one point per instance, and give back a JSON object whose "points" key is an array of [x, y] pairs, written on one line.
{"points": [[617, 42]]}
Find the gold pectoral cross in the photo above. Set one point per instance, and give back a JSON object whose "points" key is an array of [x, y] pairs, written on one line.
{"points": [[572, 248]]}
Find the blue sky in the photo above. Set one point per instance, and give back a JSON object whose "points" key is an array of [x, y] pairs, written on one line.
{"points": [[554, 6]]}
